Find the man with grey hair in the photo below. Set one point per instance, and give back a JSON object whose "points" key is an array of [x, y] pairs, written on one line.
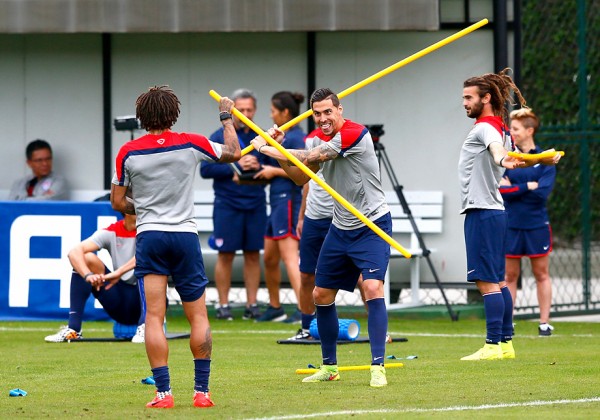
{"points": [[239, 214]]}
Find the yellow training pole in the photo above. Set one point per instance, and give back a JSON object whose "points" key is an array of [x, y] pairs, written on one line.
{"points": [[315, 178], [385, 72], [347, 368]]}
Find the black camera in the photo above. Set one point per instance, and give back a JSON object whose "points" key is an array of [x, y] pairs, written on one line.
{"points": [[127, 123], [376, 131]]}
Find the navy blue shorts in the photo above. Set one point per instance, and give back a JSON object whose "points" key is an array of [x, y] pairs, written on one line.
{"points": [[485, 238], [348, 253], [236, 229], [122, 302], [311, 241], [175, 254], [283, 219], [531, 243]]}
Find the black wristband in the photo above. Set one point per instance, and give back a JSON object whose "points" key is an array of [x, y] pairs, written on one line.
{"points": [[224, 116], [501, 160], [260, 148], [87, 275]]}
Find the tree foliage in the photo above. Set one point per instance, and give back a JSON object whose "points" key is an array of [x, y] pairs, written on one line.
{"points": [[551, 85]]}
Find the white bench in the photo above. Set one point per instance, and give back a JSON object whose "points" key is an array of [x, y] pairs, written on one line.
{"points": [[426, 208]]}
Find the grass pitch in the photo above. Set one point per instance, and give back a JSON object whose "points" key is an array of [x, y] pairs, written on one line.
{"points": [[253, 377]]}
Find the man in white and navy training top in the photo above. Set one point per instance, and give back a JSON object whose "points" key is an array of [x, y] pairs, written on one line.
{"points": [[117, 291], [483, 159], [349, 164], [159, 168]]}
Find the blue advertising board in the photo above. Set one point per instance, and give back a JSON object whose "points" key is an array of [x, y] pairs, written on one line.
{"points": [[35, 272]]}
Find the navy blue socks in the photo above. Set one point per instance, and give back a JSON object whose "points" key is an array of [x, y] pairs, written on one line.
{"points": [[306, 320], [507, 320], [377, 325], [80, 292], [493, 305], [328, 326], [162, 378], [201, 374]]}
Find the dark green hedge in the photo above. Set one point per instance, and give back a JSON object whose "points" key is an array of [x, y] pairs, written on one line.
{"points": [[549, 83]]}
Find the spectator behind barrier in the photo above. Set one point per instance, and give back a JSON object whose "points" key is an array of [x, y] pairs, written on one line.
{"points": [[44, 184]]}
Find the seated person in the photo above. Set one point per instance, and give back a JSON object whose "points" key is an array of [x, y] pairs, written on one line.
{"points": [[117, 291], [44, 185]]}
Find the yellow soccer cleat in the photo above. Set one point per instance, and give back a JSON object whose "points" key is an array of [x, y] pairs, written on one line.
{"points": [[508, 351], [378, 378], [487, 352], [324, 374]]}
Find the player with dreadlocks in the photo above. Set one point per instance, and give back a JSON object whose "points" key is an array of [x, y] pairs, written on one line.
{"points": [[483, 159], [159, 168]]}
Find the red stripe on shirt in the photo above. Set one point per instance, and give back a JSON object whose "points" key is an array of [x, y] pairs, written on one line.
{"points": [[119, 229]]}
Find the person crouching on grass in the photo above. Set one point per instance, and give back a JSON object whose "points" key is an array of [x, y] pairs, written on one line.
{"points": [[159, 167]]}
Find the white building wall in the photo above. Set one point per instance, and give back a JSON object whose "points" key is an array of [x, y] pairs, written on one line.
{"points": [[52, 88]]}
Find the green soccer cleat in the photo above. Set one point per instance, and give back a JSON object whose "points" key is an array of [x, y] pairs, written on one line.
{"points": [[324, 374], [487, 352], [378, 378], [508, 351]]}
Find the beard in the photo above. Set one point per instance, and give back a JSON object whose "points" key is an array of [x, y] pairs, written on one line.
{"points": [[475, 111]]}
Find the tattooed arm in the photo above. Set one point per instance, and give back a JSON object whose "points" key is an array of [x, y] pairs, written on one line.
{"points": [[310, 158], [230, 152]]}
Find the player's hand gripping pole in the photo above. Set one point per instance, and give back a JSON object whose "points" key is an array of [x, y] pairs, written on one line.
{"points": [[384, 72], [315, 178]]}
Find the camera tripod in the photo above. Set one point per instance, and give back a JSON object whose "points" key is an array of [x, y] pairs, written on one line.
{"points": [[382, 157]]}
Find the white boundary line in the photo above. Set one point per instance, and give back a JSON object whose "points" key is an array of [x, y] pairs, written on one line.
{"points": [[258, 332], [433, 410]]}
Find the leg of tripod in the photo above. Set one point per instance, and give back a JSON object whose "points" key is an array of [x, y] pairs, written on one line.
{"points": [[383, 157]]}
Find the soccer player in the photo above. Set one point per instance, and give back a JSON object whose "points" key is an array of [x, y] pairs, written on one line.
{"points": [[350, 167], [483, 159], [159, 167], [117, 291], [525, 192]]}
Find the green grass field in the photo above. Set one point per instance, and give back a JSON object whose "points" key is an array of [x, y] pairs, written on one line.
{"points": [[254, 377]]}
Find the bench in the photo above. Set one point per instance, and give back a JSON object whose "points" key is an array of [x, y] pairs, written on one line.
{"points": [[426, 208]]}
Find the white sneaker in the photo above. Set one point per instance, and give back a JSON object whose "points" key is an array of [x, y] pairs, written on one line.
{"points": [[140, 333], [64, 334]]}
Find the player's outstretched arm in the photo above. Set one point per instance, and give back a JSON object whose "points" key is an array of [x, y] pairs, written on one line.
{"points": [[502, 158], [230, 152]]}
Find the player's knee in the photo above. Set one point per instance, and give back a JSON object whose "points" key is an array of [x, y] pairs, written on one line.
{"points": [[323, 296]]}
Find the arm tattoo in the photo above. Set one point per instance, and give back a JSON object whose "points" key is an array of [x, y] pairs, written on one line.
{"points": [[227, 151], [315, 156], [226, 154], [129, 209]]}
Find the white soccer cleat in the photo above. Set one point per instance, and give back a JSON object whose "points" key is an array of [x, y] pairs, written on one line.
{"points": [[64, 334], [140, 333]]}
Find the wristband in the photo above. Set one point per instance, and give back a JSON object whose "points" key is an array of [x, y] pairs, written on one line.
{"points": [[224, 116], [501, 160], [260, 148], [87, 275]]}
